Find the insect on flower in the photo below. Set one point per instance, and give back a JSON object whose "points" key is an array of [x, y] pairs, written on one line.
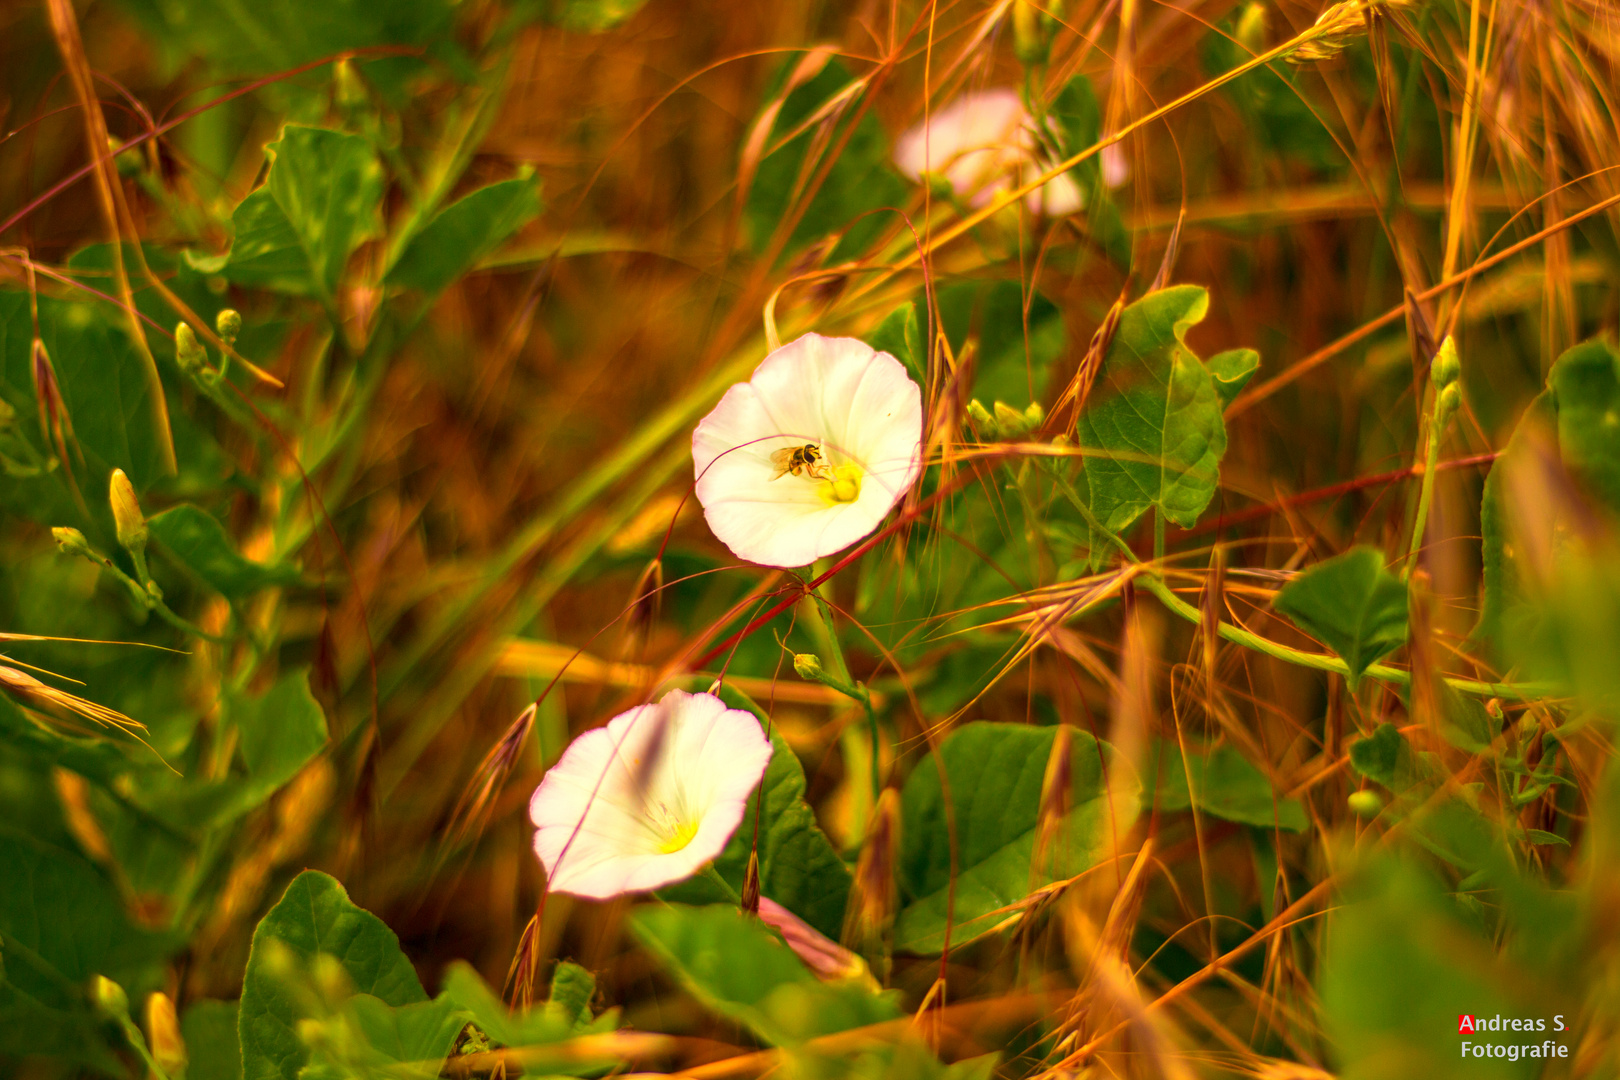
{"points": [[647, 800], [798, 459], [838, 423]]}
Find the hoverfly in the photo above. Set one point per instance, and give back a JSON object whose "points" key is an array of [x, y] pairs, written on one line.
{"points": [[797, 459]]}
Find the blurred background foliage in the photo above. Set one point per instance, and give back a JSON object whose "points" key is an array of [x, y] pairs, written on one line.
{"points": [[1269, 748]]}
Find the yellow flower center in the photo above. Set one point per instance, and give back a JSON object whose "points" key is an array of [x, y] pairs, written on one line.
{"points": [[840, 485], [678, 839]]}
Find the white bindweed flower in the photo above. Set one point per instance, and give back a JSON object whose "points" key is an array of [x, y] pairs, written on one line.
{"points": [[647, 800], [808, 456], [984, 143]]}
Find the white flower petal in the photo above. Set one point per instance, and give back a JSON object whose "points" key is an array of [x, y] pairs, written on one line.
{"points": [[606, 812], [856, 404], [981, 143]]}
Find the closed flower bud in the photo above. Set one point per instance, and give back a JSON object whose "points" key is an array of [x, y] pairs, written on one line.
{"points": [[1446, 366], [1251, 27], [188, 351], [163, 1034], [874, 892], [982, 419], [126, 510], [808, 665], [350, 92], [1029, 35], [1365, 804], [70, 541], [330, 978], [1450, 399], [229, 324], [1010, 419], [109, 998]]}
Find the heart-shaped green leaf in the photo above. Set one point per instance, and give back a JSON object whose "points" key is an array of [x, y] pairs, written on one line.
{"points": [[737, 967], [1352, 605], [995, 775], [1153, 429], [314, 916]]}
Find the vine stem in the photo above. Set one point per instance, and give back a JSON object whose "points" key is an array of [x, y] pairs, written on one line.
{"points": [[1426, 490]]}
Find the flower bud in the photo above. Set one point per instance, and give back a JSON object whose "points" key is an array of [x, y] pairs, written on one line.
{"points": [[1029, 35], [1010, 420], [126, 510], [188, 351], [1365, 804], [127, 162], [349, 91], [163, 1035], [70, 541], [108, 997], [331, 979], [808, 665], [982, 419], [1251, 27], [1446, 366], [229, 324], [1450, 399], [874, 890]]}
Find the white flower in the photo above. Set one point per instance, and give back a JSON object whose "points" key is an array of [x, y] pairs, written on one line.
{"points": [[648, 799], [810, 454], [984, 143]]}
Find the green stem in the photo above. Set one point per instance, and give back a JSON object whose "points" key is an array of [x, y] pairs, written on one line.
{"points": [[1321, 662], [713, 875], [1426, 490]]}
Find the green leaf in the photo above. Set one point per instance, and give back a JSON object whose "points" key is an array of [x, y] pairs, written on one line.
{"points": [[209, 1028], [899, 336], [1585, 383], [1503, 574], [1228, 786], [861, 178], [1012, 365], [1079, 121], [103, 385], [329, 184], [198, 542], [1351, 604], [1583, 393], [1382, 756], [566, 1015], [281, 732], [313, 916], [1541, 836], [61, 922], [798, 866], [265, 251], [411, 1040], [740, 969], [1399, 968], [240, 38], [1232, 371], [908, 1058], [572, 988], [995, 773], [1154, 425], [464, 232], [594, 16], [319, 203], [58, 906]]}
